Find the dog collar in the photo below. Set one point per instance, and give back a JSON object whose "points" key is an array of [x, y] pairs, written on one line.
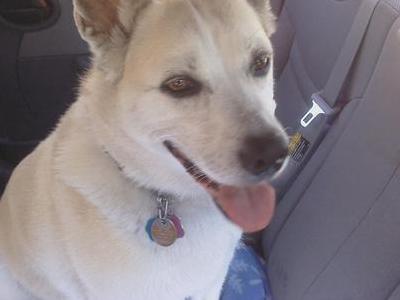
{"points": [[165, 228]]}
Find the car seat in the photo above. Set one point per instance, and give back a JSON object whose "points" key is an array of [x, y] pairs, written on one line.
{"points": [[334, 235], [41, 57]]}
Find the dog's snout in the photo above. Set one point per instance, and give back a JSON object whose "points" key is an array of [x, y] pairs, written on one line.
{"points": [[263, 154]]}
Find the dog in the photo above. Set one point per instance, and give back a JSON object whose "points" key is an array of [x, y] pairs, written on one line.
{"points": [[175, 118]]}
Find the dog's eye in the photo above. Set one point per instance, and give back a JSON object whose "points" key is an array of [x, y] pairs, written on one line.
{"points": [[261, 64], [181, 86]]}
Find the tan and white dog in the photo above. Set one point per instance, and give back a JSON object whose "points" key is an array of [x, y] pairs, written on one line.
{"points": [[179, 101]]}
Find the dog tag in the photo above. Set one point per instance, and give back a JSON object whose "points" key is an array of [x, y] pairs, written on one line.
{"points": [[166, 228], [149, 225], [164, 232], [178, 225]]}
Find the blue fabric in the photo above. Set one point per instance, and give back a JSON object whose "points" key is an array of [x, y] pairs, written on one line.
{"points": [[246, 278]]}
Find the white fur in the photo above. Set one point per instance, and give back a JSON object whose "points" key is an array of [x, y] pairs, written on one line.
{"points": [[72, 224]]}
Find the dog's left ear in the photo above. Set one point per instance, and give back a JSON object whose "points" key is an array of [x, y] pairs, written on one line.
{"points": [[267, 18]]}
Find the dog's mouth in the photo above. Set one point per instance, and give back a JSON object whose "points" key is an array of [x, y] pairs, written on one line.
{"points": [[197, 174], [249, 207]]}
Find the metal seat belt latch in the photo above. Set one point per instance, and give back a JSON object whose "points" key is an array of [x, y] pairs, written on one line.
{"points": [[319, 107]]}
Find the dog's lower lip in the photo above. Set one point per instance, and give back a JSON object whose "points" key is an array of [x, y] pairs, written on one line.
{"points": [[191, 168]]}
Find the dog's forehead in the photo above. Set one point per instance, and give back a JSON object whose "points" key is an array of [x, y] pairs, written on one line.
{"points": [[194, 36], [193, 25], [223, 17]]}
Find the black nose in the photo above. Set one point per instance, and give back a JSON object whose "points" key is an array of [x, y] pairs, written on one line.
{"points": [[263, 154]]}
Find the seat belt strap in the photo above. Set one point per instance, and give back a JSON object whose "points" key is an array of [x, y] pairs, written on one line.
{"points": [[316, 122], [348, 54], [325, 101]]}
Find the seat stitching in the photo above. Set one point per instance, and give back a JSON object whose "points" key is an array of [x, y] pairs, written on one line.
{"points": [[315, 174], [375, 64], [292, 41], [361, 221], [318, 169], [396, 9], [392, 291]]}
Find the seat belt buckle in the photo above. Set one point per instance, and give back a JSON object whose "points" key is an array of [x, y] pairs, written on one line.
{"points": [[319, 107]]}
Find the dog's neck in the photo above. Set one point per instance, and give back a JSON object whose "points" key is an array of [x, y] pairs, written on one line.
{"points": [[156, 193], [152, 170]]}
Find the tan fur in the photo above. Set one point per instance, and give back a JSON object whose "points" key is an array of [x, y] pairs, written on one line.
{"points": [[101, 15], [265, 13], [73, 217]]}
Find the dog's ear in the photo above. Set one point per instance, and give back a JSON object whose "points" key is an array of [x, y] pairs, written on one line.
{"points": [[97, 19], [102, 22], [107, 26], [267, 18]]}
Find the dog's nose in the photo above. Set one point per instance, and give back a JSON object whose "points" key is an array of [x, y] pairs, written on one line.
{"points": [[263, 154]]}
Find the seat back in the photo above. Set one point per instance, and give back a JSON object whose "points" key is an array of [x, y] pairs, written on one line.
{"points": [[5, 173], [335, 232], [39, 74]]}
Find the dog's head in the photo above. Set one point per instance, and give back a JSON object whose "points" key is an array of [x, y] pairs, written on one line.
{"points": [[184, 82]]}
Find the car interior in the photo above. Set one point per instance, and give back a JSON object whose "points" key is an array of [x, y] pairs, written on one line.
{"points": [[335, 231]]}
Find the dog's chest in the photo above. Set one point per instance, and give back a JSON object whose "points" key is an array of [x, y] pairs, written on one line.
{"points": [[138, 268]]}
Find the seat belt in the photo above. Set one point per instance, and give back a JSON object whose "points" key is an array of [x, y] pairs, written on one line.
{"points": [[325, 107]]}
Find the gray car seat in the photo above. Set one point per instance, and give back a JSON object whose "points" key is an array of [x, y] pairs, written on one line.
{"points": [[335, 232]]}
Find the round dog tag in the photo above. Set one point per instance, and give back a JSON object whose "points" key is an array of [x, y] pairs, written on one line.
{"points": [[163, 232], [178, 225]]}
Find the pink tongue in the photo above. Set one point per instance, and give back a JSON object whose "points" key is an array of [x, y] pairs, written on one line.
{"points": [[251, 207]]}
